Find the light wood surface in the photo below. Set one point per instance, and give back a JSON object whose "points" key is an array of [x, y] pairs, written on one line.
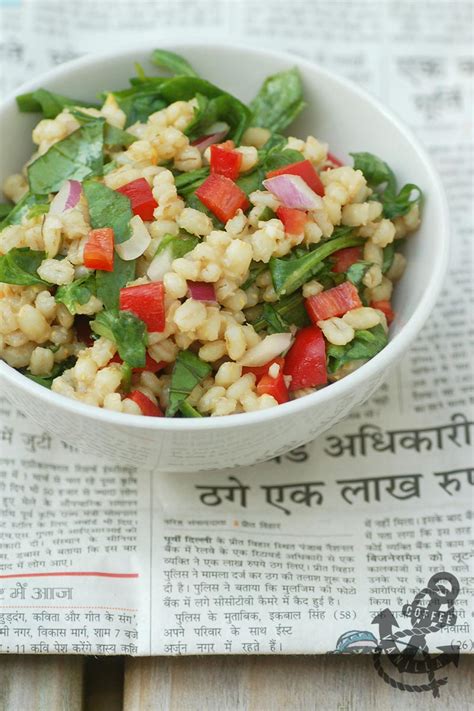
{"points": [[309, 683]]}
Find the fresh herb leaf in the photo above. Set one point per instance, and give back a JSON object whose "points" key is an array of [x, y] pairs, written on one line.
{"points": [[278, 159], [47, 102], [279, 101], [108, 208], [172, 61], [280, 315], [188, 371], [19, 266], [77, 293], [5, 209], [289, 274], [140, 100], [266, 214], [365, 345], [127, 331], [177, 245], [188, 410], [357, 271], [47, 380], [76, 157], [187, 183], [378, 173], [22, 209], [116, 138], [256, 268], [388, 254]]}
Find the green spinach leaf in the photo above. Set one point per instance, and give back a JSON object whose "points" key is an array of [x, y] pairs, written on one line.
{"points": [[116, 138], [5, 209], [397, 205], [77, 293], [277, 317], [289, 273], [188, 371], [279, 101], [188, 410], [357, 271], [76, 157], [172, 61], [375, 170], [187, 183], [365, 345], [108, 208], [19, 266], [23, 209], [388, 254], [48, 103], [140, 100], [127, 331]]}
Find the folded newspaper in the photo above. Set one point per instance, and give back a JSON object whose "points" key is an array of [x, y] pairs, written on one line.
{"points": [[360, 541]]}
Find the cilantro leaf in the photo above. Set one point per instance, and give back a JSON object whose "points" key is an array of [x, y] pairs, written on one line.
{"points": [[77, 293], [127, 331]]}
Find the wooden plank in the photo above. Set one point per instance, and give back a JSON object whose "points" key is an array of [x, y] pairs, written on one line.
{"points": [[41, 683], [103, 684], [332, 683]]}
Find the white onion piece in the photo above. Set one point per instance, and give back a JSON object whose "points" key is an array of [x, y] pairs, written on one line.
{"points": [[217, 132], [138, 242], [271, 347], [293, 191], [160, 265], [66, 198]]}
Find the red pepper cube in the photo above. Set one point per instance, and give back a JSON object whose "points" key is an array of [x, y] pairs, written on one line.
{"points": [[276, 387], [141, 198], [99, 250], [225, 161], [305, 170], [146, 405], [345, 258], [147, 301], [294, 221], [222, 197], [333, 302], [386, 307], [335, 162], [261, 370], [306, 359]]}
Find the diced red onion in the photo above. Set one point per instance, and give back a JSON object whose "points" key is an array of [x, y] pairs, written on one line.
{"points": [[271, 347], [67, 198], [218, 131], [138, 242], [293, 191], [201, 291]]}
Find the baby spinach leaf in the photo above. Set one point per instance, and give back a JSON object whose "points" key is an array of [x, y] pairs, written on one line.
{"points": [[47, 380], [397, 205], [108, 208], [365, 345], [19, 266], [187, 183], [188, 371], [289, 273], [76, 157], [5, 209], [49, 103], [22, 209], [278, 159], [116, 138], [188, 410], [141, 100], [77, 293], [177, 245], [388, 254], [375, 170], [357, 271], [127, 331], [172, 61], [256, 268], [279, 101], [277, 317]]}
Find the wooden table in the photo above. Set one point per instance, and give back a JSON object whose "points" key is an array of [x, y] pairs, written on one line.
{"points": [[216, 684]]}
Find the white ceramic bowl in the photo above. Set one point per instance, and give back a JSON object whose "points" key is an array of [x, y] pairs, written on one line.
{"points": [[338, 112]]}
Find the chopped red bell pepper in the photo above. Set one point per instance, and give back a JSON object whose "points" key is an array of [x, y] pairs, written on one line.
{"points": [[293, 220], [306, 359], [141, 198], [260, 370], [225, 161], [336, 163], [273, 386], [333, 302], [147, 301], [222, 196], [146, 405], [99, 250], [151, 365], [344, 258], [305, 170], [386, 307]]}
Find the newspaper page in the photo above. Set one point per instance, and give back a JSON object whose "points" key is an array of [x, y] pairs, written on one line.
{"points": [[362, 535]]}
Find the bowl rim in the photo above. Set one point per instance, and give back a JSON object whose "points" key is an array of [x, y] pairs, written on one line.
{"points": [[395, 348]]}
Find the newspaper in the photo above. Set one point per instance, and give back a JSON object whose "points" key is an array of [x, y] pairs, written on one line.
{"points": [[331, 546]]}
